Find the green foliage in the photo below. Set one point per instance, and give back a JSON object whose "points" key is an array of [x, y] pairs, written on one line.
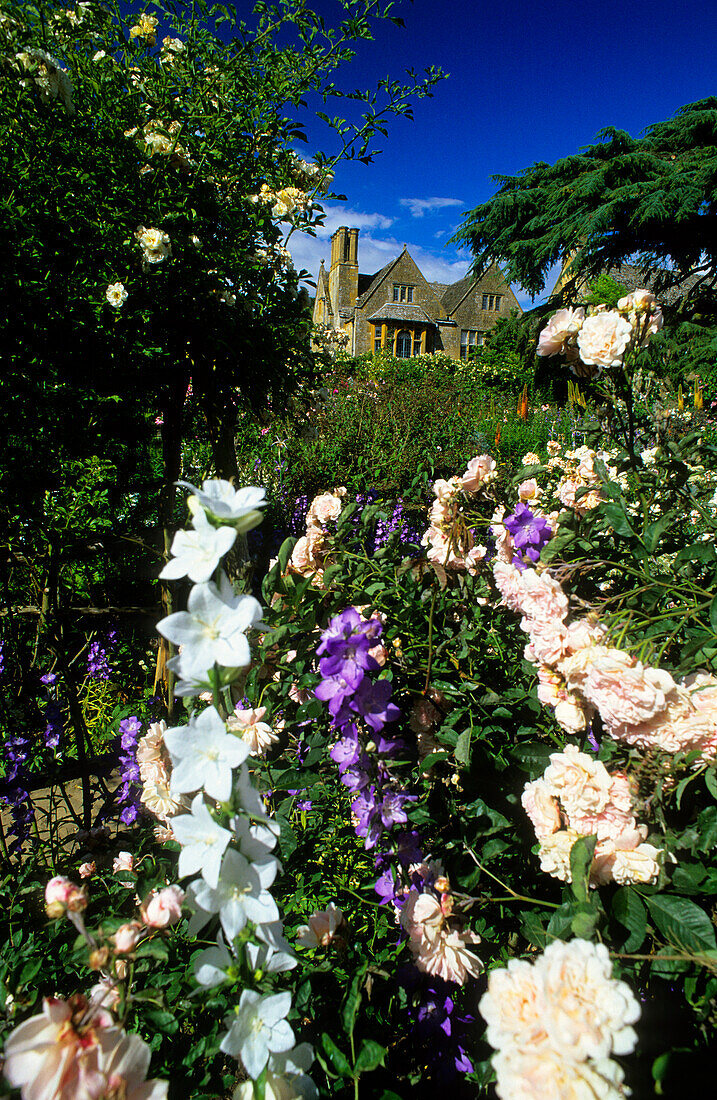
{"points": [[604, 291], [650, 197]]}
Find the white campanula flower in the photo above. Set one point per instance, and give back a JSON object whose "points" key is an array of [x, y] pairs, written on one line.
{"points": [[258, 1029], [286, 1077], [197, 553], [188, 685], [203, 842], [241, 895], [204, 755], [272, 956], [238, 507], [212, 629], [116, 295], [211, 966]]}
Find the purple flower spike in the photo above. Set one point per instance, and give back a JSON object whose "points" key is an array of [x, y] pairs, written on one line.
{"points": [[371, 701]]}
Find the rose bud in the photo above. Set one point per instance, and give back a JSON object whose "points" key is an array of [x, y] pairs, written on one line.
{"points": [[162, 907], [63, 895]]}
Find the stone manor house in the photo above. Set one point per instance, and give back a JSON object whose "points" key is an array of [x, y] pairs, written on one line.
{"points": [[398, 310]]}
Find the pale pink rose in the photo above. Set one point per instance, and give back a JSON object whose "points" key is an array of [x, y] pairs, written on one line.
{"points": [[583, 633], [481, 471], [160, 800], [322, 927], [162, 907], [588, 1013], [603, 339], [542, 808], [63, 896], [379, 654], [123, 862], [323, 509], [105, 994], [422, 916], [513, 1006], [566, 491], [446, 490], [86, 870], [448, 956], [581, 782], [571, 714], [543, 1073], [610, 824], [301, 560], [562, 326], [529, 490], [474, 558], [548, 640], [550, 686], [504, 549], [58, 1054], [554, 853], [625, 692], [163, 833], [258, 735], [508, 582], [542, 600], [127, 937], [149, 747], [634, 865], [154, 771]]}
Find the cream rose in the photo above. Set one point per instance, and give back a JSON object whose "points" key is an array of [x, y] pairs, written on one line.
{"points": [[563, 325], [603, 339]]}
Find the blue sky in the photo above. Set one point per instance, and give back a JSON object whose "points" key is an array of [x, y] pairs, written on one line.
{"points": [[528, 82]]}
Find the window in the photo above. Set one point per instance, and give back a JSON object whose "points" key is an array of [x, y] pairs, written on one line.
{"points": [[377, 338], [417, 342], [470, 340], [403, 344], [492, 301], [402, 293]]}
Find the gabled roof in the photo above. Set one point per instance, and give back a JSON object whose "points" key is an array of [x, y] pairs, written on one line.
{"points": [[456, 292], [375, 280], [397, 311]]}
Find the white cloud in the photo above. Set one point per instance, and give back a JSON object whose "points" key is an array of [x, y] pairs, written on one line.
{"points": [[419, 207], [337, 216]]}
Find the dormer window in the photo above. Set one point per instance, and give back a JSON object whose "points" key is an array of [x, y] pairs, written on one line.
{"points": [[402, 293], [492, 301]]}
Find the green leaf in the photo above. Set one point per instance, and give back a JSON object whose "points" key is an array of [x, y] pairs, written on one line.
{"points": [[335, 1057], [162, 1021], [370, 1056], [462, 751], [153, 949], [533, 929], [583, 923], [617, 519], [711, 781], [581, 858], [628, 909], [353, 1000], [682, 923], [560, 921]]}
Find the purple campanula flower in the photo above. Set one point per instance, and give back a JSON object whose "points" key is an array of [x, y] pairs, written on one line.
{"points": [[526, 528], [391, 809], [385, 887], [408, 849], [345, 752], [304, 805], [371, 701], [48, 679], [334, 690]]}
